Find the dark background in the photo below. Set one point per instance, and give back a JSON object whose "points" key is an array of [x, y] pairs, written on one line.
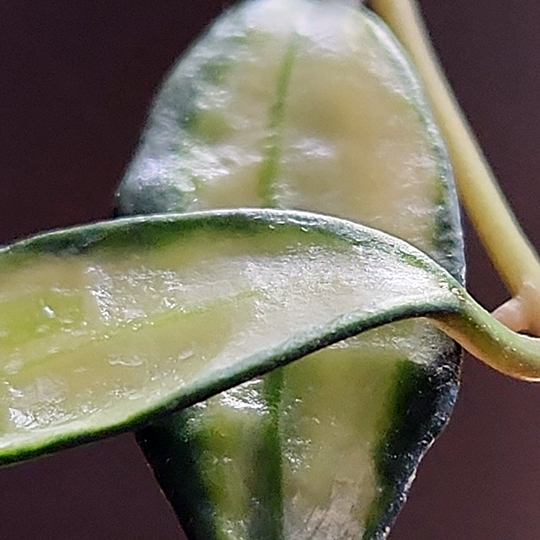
{"points": [[75, 81]]}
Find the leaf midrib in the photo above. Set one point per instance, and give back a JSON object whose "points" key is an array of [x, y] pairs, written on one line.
{"points": [[270, 452]]}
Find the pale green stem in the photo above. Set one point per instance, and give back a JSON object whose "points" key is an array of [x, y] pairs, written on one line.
{"points": [[510, 251], [489, 340]]}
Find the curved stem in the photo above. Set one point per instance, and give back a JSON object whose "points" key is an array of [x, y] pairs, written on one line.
{"points": [[489, 340], [510, 251]]}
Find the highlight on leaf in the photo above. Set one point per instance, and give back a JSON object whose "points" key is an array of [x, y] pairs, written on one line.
{"points": [[132, 304]]}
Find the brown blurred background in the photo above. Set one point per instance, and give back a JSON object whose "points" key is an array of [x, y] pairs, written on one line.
{"points": [[76, 79]]}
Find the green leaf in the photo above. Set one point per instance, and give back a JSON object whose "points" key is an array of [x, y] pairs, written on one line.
{"points": [[105, 326]]}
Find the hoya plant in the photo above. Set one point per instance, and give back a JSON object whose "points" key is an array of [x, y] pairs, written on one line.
{"points": [[251, 291]]}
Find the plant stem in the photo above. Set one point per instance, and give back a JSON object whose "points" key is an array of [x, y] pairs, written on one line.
{"points": [[490, 341], [510, 251]]}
